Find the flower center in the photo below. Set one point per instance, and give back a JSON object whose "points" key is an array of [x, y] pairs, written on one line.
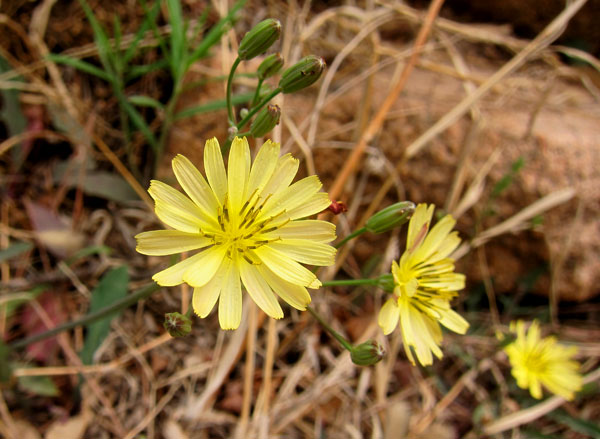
{"points": [[244, 231]]}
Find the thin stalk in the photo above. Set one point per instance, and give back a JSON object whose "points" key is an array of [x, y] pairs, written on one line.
{"points": [[257, 92], [166, 126], [351, 236], [230, 112], [257, 108], [352, 282], [345, 343], [89, 318]]}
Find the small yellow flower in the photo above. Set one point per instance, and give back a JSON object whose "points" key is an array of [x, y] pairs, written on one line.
{"points": [[424, 284], [248, 223], [536, 361]]}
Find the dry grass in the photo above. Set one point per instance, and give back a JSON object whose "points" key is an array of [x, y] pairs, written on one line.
{"points": [[286, 378]]}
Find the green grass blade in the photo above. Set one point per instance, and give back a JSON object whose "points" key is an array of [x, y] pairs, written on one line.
{"points": [[136, 71], [156, 32], [587, 428], [213, 106], [112, 287], [84, 66], [178, 40], [145, 101], [15, 250], [149, 21], [104, 50], [139, 122], [119, 64], [215, 34]]}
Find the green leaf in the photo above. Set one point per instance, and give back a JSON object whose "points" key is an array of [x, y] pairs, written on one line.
{"points": [[145, 101], [139, 122], [81, 65], [588, 428], [38, 385], [112, 287], [213, 106], [15, 250]]}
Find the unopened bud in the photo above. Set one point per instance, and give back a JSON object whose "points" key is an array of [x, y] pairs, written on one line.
{"points": [[244, 112], [270, 66], [266, 120], [367, 353], [391, 217], [258, 39], [302, 74], [177, 324]]}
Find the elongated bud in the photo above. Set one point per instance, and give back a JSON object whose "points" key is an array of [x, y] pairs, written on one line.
{"points": [[177, 324], [302, 74], [258, 39], [266, 120], [367, 353], [271, 65], [391, 217]]}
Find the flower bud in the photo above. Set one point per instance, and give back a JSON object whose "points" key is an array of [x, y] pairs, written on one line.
{"points": [[391, 217], [302, 74], [271, 65], [337, 207], [258, 39], [266, 120], [177, 324], [367, 353]]}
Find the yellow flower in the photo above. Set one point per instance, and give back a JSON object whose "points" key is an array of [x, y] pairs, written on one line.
{"points": [[247, 221], [424, 284], [536, 361]]}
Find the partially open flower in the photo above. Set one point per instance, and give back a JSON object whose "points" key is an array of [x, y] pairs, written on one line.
{"points": [[424, 285], [250, 224]]}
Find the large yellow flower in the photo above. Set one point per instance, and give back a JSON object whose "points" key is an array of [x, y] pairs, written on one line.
{"points": [[424, 284], [247, 221], [536, 361]]}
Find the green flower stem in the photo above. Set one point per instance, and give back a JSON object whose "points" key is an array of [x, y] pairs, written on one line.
{"points": [[89, 318], [257, 92], [351, 236], [230, 112], [345, 343], [335, 283], [256, 108]]}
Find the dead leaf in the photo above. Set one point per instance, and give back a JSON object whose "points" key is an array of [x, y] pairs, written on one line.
{"points": [[25, 430], [173, 430], [73, 428]]}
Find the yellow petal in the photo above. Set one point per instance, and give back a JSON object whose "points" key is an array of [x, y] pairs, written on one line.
{"points": [[454, 321], [205, 297], [435, 238], [259, 290], [174, 275], [315, 230], [316, 204], [230, 301], [294, 295], [291, 197], [418, 226], [168, 242], [174, 208], [388, 316], [205, 268], [215, 169], [285, 171], [285, 267], [263, 167], [306, 252], [238, 172], [194, 184]]}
